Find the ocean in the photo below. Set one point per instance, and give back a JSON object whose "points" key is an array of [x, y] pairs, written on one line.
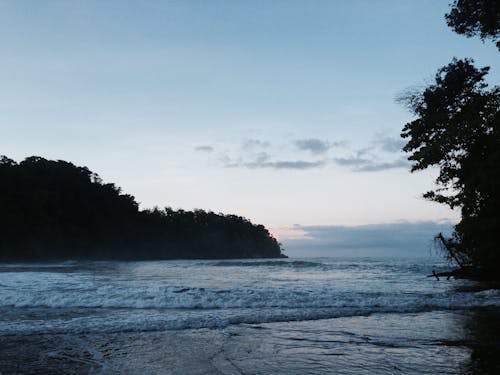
{"points": [[287, 316]]}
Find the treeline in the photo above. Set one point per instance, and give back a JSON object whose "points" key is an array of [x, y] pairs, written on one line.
{"points": [[54, 210]]}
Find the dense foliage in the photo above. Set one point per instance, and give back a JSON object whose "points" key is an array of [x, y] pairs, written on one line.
{"points": [[56, 210], [458, 129], [476, 17]]}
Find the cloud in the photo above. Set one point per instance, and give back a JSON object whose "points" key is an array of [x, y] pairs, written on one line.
{"points": [[255, 153], [293, 164], [204, 148], [263, 161], [390, 239], [358, 164], [367, 159], [364, 151], [390, 144], [384, 166], [355, 162], [313, 145], [251, 144]]}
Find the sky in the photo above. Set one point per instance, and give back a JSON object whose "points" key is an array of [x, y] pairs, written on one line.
{"points": [[280, 111]]}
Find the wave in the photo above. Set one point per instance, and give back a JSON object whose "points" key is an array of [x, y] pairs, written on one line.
{"points": [[124, 320], [84, 294], [303, 265], [138, 296], [269, 263]]}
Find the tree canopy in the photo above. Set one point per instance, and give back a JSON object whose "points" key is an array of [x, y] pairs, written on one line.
{"points": [[457, 128], [56, 210], [476, 17]]}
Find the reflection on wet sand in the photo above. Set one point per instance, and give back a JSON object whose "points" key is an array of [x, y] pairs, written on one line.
{"points": [[441, 342]]}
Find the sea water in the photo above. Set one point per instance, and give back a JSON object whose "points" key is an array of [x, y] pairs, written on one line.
{"points": [[312, 309]]}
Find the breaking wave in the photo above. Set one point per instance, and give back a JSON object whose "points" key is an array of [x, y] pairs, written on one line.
{"points": [[160, 295]]}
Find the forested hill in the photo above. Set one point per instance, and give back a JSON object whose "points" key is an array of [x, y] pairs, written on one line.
{"points": [[54, 210]]}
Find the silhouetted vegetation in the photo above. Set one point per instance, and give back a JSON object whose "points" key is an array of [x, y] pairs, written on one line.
{"points": [[458, 129], [56, 210], [476, 17]]}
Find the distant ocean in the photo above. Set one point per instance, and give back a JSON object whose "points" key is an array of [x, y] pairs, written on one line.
{"points": [[318, 315]]}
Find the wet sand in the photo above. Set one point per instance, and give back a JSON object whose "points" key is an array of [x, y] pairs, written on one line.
{"points": [[441, 342]]}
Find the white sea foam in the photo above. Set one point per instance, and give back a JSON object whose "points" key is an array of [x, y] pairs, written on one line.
{"points": [[177, 295]]}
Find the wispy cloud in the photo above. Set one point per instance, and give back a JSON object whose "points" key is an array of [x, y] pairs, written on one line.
{"points": [[204, 148], [263, 160], [315, 145], [354, 162], [384, 166], [390, 144], [293, 164], [372, 157], [254, 153], [358, 164], [252, 144]]}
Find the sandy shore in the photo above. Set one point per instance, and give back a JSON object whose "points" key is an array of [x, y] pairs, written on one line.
{"points": [[431, 342]]}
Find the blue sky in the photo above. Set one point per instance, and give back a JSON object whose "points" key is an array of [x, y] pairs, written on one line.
{"points": [[280, 111]]}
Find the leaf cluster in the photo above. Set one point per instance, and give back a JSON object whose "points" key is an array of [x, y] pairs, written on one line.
{"points": [[456, 129], [476, 17]]}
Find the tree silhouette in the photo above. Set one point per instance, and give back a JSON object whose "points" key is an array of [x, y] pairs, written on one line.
{"points": [[458, 129], [476, 17], [56, 210]]}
